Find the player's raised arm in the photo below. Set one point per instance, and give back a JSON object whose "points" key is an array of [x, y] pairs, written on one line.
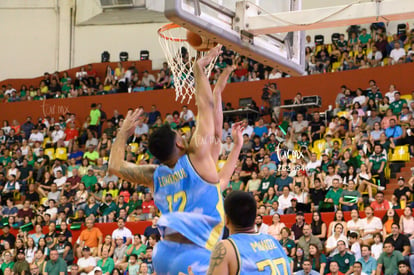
{"points": [[202, 141], [218, 109], [140, 174], [227, 171]]}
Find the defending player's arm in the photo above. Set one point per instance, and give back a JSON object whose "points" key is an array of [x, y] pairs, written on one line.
{"points": [[227, 171], [218, 109], [222, 260], [203, 138], [141, 174]]}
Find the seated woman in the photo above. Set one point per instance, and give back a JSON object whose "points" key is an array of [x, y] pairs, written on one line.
{"points": [[318, 226], [285, 241], [370, 226], [332, 241], [338, 219], [389, 218], [317, 258], [276, 227], [365, 182]]}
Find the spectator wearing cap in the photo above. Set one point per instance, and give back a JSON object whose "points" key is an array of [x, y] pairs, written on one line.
{"points": [[21, 266], [108, 205], [86, 263], [293, 208], [307, 239], [91, 237], [106, 263], [64, 248], [402, 190], [122, 232], [89, 179], [91, 155]]}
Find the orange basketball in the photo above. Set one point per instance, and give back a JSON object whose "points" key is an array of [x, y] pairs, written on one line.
{"points": [[199, 43]]}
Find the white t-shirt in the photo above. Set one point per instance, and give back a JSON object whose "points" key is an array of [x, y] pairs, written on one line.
{"points": [[82, 262], [376, 250], [375, 224], [285, 202], [378, 55], [396, 54], [60, 182], [360, 99], [313, 165], [189, 115], [36, 137], [356, 250], [353, 226], [57, 135], [124, 233], [248, 130], [332, 242], [52, 211], [390, 95], [264, 228]]}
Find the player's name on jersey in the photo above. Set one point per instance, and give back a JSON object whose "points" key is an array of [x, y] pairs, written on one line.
{"points": [[264, 245], [172, 178]]}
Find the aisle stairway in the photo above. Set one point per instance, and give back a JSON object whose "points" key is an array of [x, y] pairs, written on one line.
{"points": [[405, 172]]}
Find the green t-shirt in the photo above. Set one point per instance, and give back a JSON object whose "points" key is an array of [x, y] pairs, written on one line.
{"points": [[89, 181], [108, 266], [95, 117], [5, 265], [92, 156], [364, 38], [235, 185], [133, 205], [390, 263], [334, 195], [141, 249], [322, 259], [344, 262], [5, 160], [266, 184], [109, 208], [377, 160], [397, 106]]}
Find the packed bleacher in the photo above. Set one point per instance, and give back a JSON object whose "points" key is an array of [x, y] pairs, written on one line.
{"points": [[358, 49], [54, 177]]}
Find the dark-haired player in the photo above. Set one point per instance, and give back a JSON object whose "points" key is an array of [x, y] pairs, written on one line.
{"points": [[186, 188], [246, 252]]}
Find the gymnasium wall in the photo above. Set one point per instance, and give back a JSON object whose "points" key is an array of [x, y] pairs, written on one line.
{"points": [[325, 85], [37, 37]]}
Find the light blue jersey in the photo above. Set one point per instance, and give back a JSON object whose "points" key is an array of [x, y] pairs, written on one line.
{"points": [[192, 207], [259, 254]]}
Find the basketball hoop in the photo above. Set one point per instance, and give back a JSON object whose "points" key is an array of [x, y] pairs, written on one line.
{"points": [[181, 57]]}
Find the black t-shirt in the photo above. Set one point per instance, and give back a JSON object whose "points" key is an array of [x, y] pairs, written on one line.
{"points": [[10, 238], [399, 192], [400, 242], [316, 125], [24, 171], [251, 168], [297, 230], [32, 197], [150, 230], [317, 195]]}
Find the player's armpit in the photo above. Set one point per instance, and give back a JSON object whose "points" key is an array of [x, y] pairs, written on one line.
{"points": [[140, 174], [221, 262]]}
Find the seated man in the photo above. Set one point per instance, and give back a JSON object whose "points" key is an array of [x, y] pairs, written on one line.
{"points": [[90, 237], [395, 132]]}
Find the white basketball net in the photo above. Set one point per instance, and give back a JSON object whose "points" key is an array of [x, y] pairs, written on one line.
{"points": [[173, 38]]}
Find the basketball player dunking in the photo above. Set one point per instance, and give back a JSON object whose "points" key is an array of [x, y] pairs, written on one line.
{"points": [[186, 188]]}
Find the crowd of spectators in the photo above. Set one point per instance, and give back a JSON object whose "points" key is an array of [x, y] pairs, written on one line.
{"points": [[53, 177], [361, 50]]}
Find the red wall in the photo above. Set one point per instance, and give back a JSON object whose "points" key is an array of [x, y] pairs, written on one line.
{"points": [[139, 227], [325, 85]]}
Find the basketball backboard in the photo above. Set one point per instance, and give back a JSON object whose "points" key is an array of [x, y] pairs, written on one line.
{"points": [[217, 20]]}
